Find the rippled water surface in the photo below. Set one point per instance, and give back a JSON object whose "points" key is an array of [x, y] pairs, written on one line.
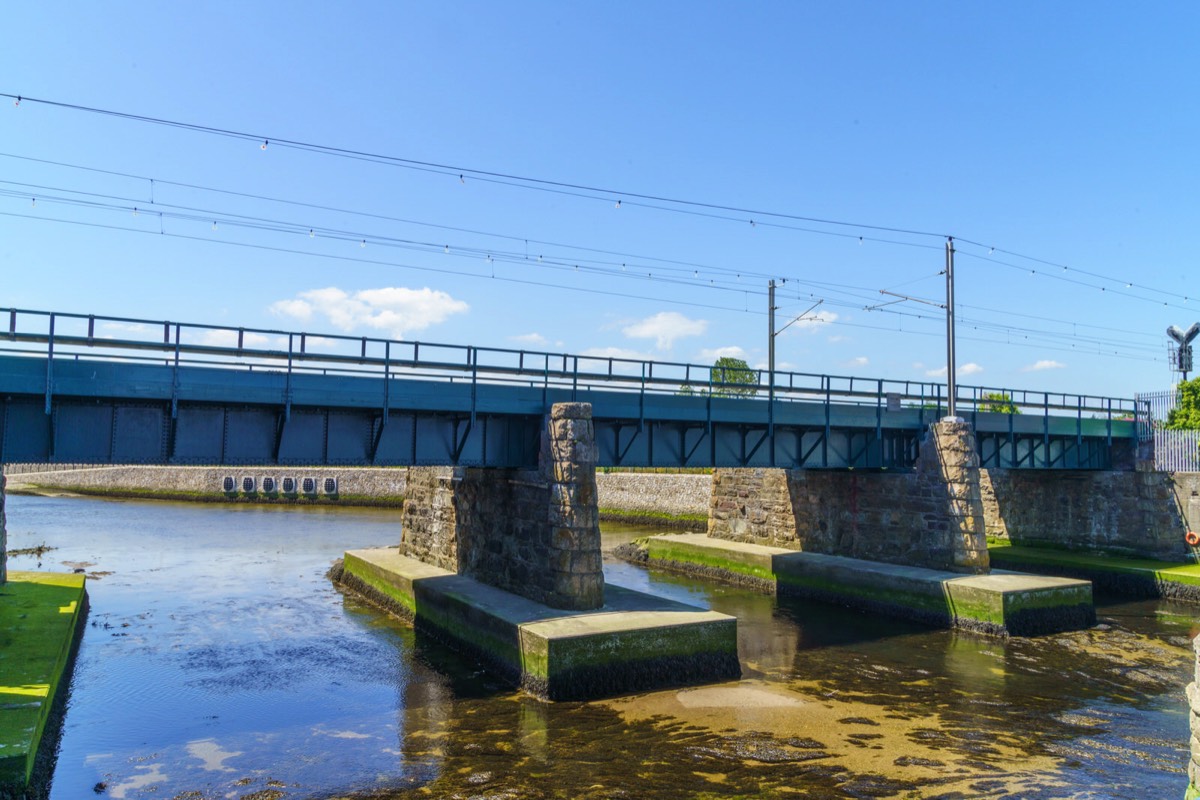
{"points": [[218, 662]]}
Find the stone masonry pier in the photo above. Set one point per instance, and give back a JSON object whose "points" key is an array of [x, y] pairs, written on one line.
{"points": [[505, 565], [931, 517], [909, 544]]}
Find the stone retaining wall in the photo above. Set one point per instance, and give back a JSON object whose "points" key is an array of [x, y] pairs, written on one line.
{"points": [[353, 483], [1141, 514], [654, 494]]}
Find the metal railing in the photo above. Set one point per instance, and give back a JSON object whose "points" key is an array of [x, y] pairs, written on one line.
{"points": [[1174, 450], [56, 336]]}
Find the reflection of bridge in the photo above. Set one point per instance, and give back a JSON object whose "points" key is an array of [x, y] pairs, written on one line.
{"points": [[107, 390]]}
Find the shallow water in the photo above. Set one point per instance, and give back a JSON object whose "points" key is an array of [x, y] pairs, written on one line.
{"points": [[219, 662]]}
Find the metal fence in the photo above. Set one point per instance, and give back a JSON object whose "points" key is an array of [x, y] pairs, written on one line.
{"points": [[1174, 451]]}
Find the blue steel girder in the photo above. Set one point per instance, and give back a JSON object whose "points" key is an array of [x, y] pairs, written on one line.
{"points": [[108, 411]]}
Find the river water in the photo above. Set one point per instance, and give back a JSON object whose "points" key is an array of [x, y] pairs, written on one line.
{"points": [[219, 662]]}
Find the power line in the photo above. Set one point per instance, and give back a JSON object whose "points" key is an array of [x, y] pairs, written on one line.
{"points": [[682, 205], [507, 279], [460, 170], [263, 224]]}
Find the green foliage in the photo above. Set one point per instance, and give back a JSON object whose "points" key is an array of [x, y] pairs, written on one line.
{"points": [[1186, 416], [732, 377], [999, 403]]}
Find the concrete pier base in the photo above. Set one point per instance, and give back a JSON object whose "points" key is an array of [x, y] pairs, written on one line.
{"points": [[1134, 577], [999, 603], [633, 642]]}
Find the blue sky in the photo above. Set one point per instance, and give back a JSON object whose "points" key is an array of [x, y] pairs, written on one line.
{"points": [[1063, 132]]}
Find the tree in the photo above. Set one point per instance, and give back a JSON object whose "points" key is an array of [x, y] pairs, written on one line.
{"points": [[732, 377], [999, 403], [1186, 415]]}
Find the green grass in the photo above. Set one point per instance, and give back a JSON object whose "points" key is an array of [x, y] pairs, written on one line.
{"points": [[39, 615]]}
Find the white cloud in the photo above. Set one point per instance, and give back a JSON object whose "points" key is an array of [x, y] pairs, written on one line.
{"points": [[732, 351], [393, 309], [616, 352], [298, 309], [970, 368], [1043, 364], [836, 339], [860, 361], [665, 327], [531, 338]]}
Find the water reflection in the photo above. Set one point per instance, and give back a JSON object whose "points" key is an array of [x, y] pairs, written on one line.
{"points": [[221, 663]]}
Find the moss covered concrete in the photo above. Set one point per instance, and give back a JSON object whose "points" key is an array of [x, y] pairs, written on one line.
{"points": [[999, 603], [41, 616], [1135, 576], [634, 642], [664, 519]]}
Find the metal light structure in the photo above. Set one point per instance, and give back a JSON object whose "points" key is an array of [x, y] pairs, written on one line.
{"points": [[1181, 356], [951, 383], [948, 306], [771, 334]]}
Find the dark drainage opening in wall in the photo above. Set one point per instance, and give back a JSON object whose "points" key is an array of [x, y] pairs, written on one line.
{"points": [[308, 486], [248, 485], [228, 484], [289, 485], [330, 486], [269, 485]]}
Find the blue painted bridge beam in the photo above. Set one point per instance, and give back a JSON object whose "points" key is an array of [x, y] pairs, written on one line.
{"points": [[164, 411]]}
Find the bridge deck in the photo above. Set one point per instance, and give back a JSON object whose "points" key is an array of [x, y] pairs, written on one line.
{"points": [[180, 398]]}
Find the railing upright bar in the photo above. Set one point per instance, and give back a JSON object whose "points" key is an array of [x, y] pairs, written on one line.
{"points": [[50, 366]]}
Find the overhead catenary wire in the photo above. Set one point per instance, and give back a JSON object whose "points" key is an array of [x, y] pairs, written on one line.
{"points": [[683, 205], [259, 223], [461, 171], [509, 279], [760, 217]]}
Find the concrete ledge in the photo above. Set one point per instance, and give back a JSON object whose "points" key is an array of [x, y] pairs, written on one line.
{"points": [[633, 643], [1002, 603], [41, 617], [1127, 576]]}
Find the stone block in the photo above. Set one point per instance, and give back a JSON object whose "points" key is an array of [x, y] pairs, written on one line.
{"points": [[571, 411]]}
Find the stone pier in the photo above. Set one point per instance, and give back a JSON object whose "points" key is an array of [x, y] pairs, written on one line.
{"points": [[505, 565], [931, 517], [909, 544], [535, 533]]}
